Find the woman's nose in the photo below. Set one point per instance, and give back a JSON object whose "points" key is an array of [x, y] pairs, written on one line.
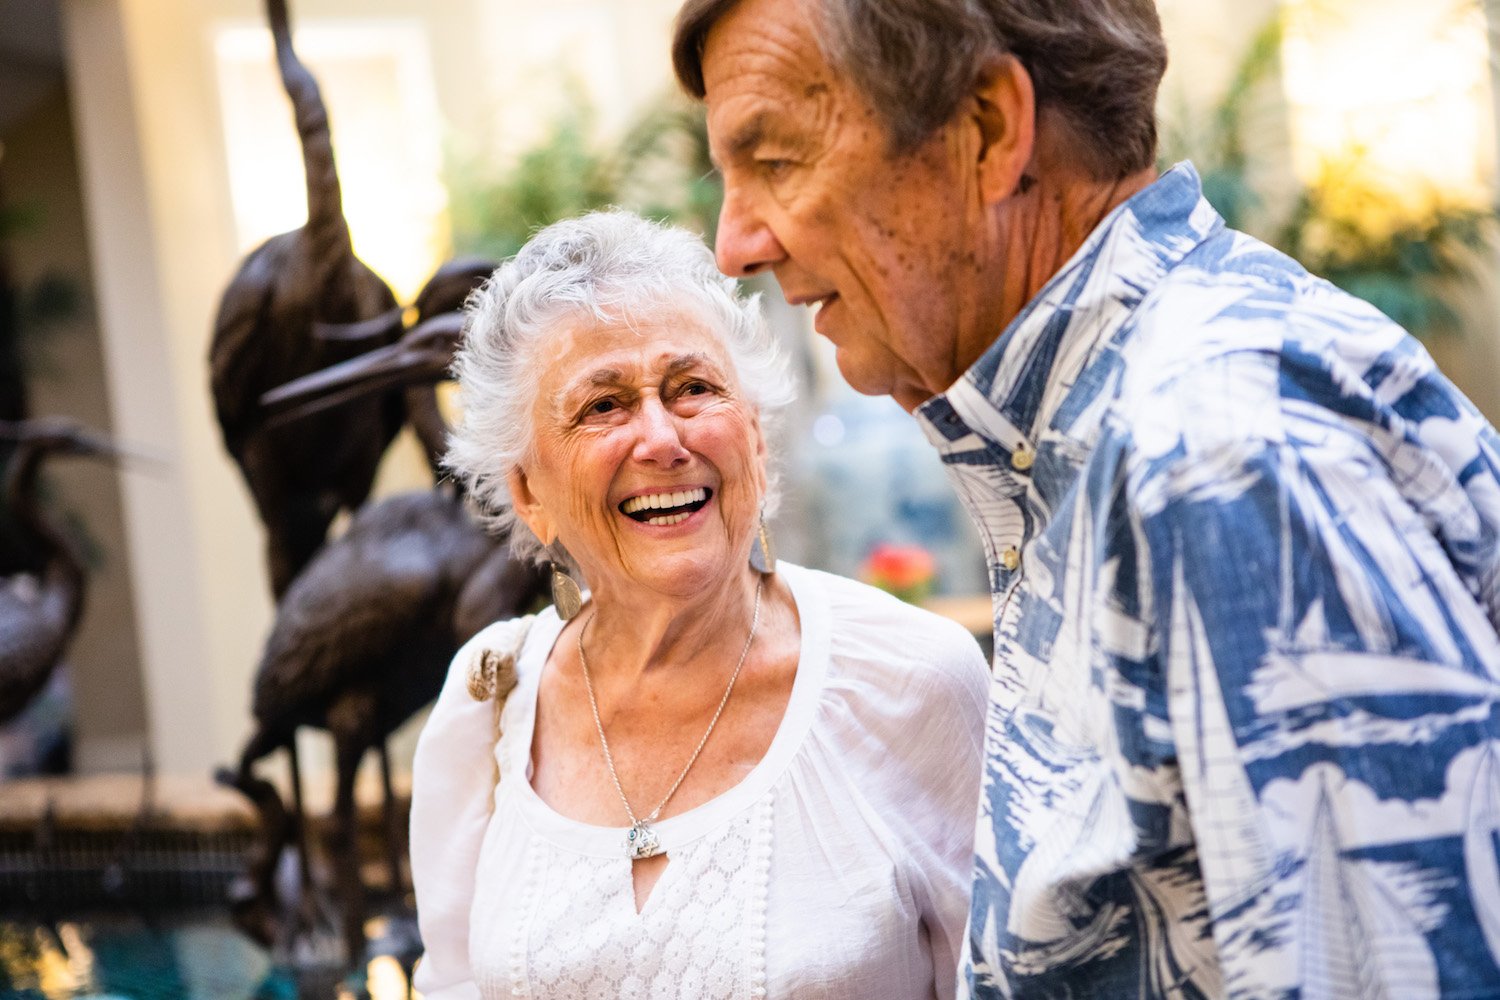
{"points": [[744, 244], [660, 441]]}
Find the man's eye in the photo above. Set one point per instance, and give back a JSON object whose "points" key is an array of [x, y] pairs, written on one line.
{"points": [[774, 166]]}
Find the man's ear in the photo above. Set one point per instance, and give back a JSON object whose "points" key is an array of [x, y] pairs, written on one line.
{"points": [[1005, 111], [529, 508]]}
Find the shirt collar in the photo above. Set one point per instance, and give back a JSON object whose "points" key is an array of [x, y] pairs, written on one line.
{"points": [[1001, 397]]}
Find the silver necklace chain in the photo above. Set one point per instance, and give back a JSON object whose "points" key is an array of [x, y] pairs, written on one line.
{"points": [[642, 841]]}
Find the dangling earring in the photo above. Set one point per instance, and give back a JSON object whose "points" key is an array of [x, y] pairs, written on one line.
{"points": [[566, 596], [762, 554]]}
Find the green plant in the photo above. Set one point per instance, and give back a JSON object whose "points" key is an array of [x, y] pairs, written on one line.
{"points": [[660, 168], [1338, 226], [494, 214], [1405, 267]]}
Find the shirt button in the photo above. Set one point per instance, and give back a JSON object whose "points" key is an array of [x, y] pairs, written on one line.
{"points": [[1011, 558], [1022, 459]]}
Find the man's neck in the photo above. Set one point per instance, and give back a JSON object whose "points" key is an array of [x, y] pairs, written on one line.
{"points": [[1044, 224], [1031, 235]]}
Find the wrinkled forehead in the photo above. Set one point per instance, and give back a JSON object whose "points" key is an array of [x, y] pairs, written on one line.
{"points": [[762, 52], [646, 340]]}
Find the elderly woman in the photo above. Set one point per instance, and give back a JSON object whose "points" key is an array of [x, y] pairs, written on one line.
{"points": [[721, 776]]}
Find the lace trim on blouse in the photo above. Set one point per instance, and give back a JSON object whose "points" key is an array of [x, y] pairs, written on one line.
{"points": [[701, 933]]}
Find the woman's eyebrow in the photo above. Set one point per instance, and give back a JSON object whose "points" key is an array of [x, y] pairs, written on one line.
{"points": [[599, 378], [605, 377], [688, 362]]}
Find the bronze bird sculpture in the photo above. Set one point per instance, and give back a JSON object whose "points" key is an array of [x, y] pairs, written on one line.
{"points": [[299, 303], [364, 635], [39, 611]]}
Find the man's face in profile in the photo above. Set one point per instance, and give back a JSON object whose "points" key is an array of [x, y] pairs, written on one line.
{"points": [[880, 244]]}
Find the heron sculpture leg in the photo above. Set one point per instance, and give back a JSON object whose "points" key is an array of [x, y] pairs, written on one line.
{"points": [[393, 837], [352, 721]]}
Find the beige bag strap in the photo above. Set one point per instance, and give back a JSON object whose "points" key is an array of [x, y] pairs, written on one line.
{"points": [[492, 672]]}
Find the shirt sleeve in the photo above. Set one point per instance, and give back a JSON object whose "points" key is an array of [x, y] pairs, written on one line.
{"points": [[453, 785], [1329, 678]]}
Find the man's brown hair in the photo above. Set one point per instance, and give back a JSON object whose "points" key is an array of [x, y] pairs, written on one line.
{"points": [[1098, 63]]}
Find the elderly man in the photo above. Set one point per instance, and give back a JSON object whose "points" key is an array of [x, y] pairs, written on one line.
{"points": [[1242, 534]]}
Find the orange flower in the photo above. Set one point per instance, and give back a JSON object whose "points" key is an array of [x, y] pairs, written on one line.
{"points": [[904, 570]]}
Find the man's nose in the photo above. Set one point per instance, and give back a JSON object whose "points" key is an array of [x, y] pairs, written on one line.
{"points": [[660, 441], [745, 244]]}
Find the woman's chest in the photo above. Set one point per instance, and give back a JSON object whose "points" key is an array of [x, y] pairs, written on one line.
{"points": [[566, 924], [663, 762], [790, 897]]}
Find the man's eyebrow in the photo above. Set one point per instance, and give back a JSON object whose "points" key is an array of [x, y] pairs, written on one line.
{"points": [[743, 139]]}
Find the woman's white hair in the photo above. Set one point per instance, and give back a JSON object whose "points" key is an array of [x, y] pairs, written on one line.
{"points": [[615, 267]]}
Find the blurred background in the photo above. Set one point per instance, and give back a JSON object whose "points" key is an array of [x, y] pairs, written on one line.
{"points": [[146, 146]]}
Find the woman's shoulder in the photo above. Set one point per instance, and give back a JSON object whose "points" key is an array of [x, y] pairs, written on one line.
{"points": [[508, 632], [876, 635], [518, 636]]}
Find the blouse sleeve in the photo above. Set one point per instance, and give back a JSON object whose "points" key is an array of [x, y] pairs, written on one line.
{"points": [[453, 784], [946, 798], [915, 692]]}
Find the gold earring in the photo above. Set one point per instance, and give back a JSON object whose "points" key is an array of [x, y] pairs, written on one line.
{"points": [[762, 553], [566, 596]]}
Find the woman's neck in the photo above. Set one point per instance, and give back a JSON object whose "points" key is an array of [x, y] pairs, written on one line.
{"points": [[633, 632]]}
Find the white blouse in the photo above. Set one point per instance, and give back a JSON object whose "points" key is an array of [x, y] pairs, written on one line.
{"points": [[837, 868]]}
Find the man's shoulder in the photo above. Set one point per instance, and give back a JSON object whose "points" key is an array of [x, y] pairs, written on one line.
{"points": [[1240, 345], [1237, 299]]}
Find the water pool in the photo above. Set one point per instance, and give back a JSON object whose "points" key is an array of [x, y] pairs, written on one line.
{"points": [[185, 957]]}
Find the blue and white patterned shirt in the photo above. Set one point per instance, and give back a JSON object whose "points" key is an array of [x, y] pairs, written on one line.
{"points": [[1244, 543]]}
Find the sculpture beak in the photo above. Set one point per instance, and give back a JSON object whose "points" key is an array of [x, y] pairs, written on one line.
{"points": [[423, 355], [65, 436]]}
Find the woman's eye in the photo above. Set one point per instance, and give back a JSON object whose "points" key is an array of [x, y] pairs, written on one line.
{"points": [[602, 406], [774, 167], [695, 389]]}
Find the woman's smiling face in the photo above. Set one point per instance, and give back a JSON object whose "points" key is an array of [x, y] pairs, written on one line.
{"points": [[647, 463]]}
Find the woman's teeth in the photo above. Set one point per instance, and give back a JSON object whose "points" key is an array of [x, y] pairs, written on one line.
{"points": [[671, 505], [664, 501]]}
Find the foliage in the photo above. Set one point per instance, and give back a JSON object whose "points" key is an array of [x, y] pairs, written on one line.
{"points": [[1405, 270], [1337, 226], [563, 175], [659, 168], [29, 314]]}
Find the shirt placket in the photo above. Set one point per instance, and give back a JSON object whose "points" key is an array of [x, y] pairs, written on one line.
{"points": [[990, 462]]}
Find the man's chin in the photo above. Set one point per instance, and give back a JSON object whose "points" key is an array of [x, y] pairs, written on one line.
{"points": [[868, 381], [863, 378]]}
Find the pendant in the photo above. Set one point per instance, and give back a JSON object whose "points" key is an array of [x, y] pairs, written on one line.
{"points": [[641, 842]]}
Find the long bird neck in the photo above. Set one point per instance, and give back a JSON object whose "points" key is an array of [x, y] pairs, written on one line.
{"points": [[325, 203], [427, 422], [64, 566]]}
